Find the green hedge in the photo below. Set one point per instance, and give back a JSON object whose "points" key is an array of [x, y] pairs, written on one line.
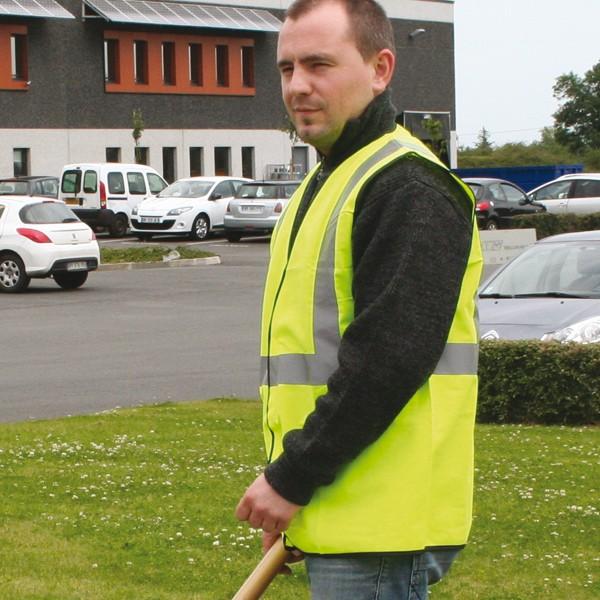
{"points": [[539, 382], [547, 223]]}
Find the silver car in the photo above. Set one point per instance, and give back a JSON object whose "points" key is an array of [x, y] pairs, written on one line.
{"points": [[257, 207], [549, 292], [575, 193]]}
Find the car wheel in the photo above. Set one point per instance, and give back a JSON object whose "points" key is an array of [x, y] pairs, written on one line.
{"points": [[118, 228], [233, 237], [70, 281], [491, 225], [13, 277], [200, 228]]}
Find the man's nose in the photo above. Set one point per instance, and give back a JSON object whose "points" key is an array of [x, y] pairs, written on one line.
{"points": [[299, 82]]}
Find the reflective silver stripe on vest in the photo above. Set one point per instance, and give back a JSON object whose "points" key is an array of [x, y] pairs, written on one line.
{"points": [[308, 369], [315, 369]]}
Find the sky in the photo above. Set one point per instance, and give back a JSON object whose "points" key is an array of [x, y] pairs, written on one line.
{"points": [[508, 55]]}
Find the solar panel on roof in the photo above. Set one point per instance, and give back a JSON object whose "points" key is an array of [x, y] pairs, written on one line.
{"points": [[34, 8], [187, 14]]}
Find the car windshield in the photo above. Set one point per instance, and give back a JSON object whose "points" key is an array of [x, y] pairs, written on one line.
{"points": [[187, 189], [257, 191], [16, 188], [567, 269], [47, 212]]}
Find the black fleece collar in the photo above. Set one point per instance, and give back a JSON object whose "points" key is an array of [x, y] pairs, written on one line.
{"points": [[378, 118]]}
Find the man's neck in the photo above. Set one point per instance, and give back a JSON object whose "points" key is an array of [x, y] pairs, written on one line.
{"points": [[378, 118]]}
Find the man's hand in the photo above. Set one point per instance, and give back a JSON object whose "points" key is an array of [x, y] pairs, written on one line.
{"points": [[264, 508]]}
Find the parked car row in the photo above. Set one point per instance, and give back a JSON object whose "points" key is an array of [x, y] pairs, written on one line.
{"points": [[498, 201]]}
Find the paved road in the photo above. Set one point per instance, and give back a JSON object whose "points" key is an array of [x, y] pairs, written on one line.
{"points": [[134, 337]]}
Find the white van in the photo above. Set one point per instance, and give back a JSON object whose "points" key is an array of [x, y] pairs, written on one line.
{"points": [[104, 194]]}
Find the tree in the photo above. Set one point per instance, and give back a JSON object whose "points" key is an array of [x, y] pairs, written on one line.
{"points": [[484, 143], [138, 128], [577, 121]]}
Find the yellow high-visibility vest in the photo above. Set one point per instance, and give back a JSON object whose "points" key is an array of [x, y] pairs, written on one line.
{"points": [[412, 488]]}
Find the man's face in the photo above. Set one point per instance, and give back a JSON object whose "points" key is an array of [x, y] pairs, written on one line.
{"points": [[325, 80]]}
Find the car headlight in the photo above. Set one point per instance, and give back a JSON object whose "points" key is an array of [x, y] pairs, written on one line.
{"points": [[178, 211], [584, 332]]}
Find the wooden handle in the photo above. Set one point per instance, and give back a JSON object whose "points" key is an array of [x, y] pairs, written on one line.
{"points": [[264, 572]]}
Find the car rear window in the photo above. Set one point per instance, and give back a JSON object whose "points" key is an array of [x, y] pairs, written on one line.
{"points": [[257, 191], [47, 212], [476, 188], [71, 182]]}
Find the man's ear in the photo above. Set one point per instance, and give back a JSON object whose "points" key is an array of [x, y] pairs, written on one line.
{"points": [[383, 69]]}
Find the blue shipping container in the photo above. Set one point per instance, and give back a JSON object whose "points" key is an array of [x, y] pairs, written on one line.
{"points": [[526, 177]]}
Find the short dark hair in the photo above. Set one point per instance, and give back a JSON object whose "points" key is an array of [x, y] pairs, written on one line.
{"points": [[370, 26]]}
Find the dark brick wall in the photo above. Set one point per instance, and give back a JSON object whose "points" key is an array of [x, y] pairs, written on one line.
{"points": [[67, 89]]}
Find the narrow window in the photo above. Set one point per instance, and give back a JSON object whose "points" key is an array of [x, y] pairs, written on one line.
{"points": [[222, 63], [18, 56], [168, 63], [195, 62], [111, 61], [222, 160], [113, 155], [20, 161], [169, 164], [196, 160], [248, 162], [142, 155], [140, 61], [90, 182], [248, 66]]}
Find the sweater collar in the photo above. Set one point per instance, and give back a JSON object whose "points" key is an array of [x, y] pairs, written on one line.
{"points": [[377, 119]]}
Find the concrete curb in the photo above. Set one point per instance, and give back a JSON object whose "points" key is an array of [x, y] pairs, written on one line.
{"points": [[178, 262]]}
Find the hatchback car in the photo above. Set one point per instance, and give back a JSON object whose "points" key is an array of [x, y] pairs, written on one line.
{"points": [[193, 206], [576, 193], [257, 207], [43, 238], [550, 292], [498, 201], [45, 186]]}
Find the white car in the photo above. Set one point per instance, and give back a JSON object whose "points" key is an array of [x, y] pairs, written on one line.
{"points": [[193, 206], [576, 193], [40, 238]]}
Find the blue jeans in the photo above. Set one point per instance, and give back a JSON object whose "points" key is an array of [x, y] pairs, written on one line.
{"points": [[375, 577]]}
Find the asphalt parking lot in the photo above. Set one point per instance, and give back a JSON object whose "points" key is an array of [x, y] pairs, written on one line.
{"points": [[134, 337], [128, 338]]}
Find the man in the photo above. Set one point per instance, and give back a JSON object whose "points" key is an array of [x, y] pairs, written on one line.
{"points": [[368, 341]]}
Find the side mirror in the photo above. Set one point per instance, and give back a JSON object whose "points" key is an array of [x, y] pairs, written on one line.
{"points": [[216, 196], [523, 201]]}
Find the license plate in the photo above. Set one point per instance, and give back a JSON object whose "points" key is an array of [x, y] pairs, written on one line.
{"points": [[74, 201], [77, 266], [251, 209], [149, 219]]}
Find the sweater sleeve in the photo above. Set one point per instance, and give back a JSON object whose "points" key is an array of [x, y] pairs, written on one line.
{"points": [[411, 241]]}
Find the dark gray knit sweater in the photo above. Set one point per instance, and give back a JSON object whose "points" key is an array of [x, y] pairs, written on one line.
{"points": [[410, 243]]}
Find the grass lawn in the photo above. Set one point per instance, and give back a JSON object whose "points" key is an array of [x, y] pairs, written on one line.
{"points": [[147, 254], [138, 504]]}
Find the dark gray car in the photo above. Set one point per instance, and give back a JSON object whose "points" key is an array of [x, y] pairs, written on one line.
{"points": [[30, 185], [551, 291]]}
